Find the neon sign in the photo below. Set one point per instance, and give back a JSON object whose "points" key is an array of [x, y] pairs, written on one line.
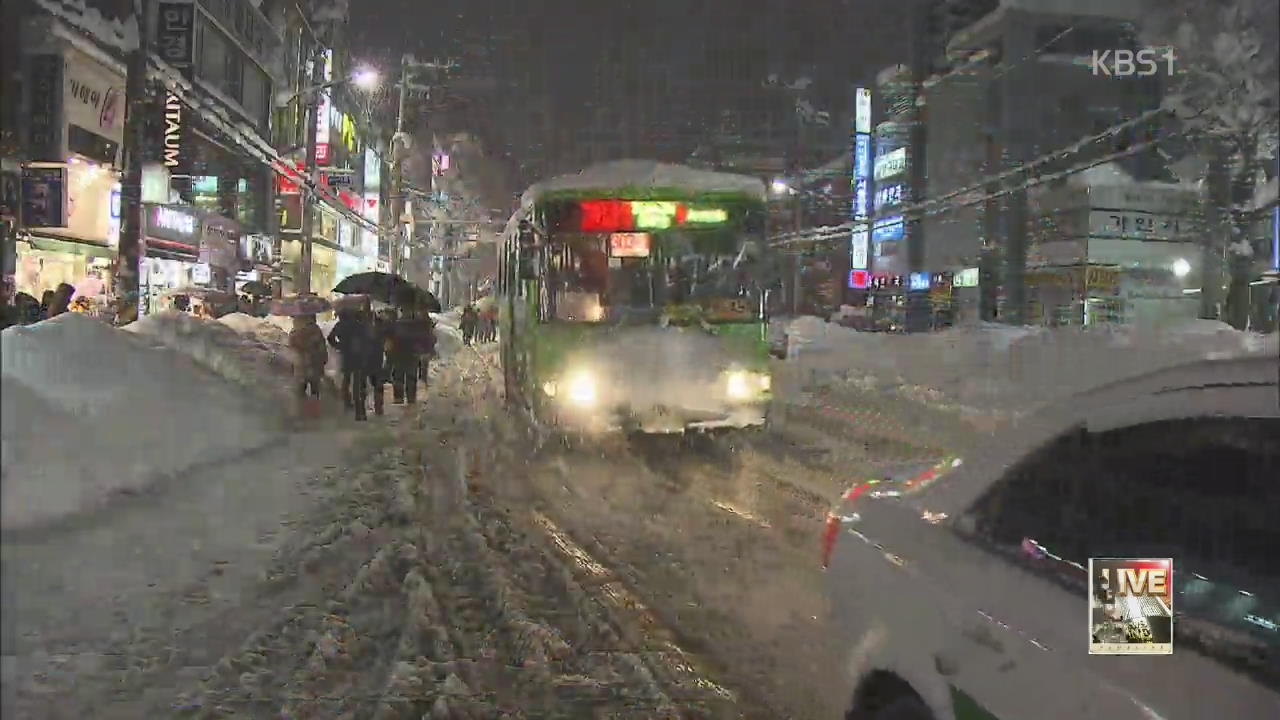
{"points": [[622, 215], [178, 222], [655, 215], [172, 130], [708, 216], [888, 229]]}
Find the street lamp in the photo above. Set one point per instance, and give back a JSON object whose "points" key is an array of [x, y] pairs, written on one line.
{"points": [[780, 187], [366, 79], [1181, 267]]}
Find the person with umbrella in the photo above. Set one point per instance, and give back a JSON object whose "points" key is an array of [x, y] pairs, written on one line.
{"points": [[412, 337], [352, 336], [382, 336], [307, 341], [310, 356]]}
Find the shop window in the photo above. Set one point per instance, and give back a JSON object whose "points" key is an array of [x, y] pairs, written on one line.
{"points": [[213, 53], [256, 91], [234, 75]]}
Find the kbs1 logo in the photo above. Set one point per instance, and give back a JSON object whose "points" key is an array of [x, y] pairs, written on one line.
{"points": [[1130, 606], [1127, 63]]}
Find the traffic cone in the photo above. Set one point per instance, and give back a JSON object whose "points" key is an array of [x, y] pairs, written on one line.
{"points": [[829, 535]]}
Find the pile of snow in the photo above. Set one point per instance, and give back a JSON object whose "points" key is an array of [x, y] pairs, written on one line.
{"points": [[252, 352], [89, 411], [999, 367], [621, 176]]}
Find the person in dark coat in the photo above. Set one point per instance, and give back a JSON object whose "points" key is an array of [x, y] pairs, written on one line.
{"points": [[306, 340], [381, 331], [352, 337], [412, 336], [46, 303], [470, 319], [61, 299]]}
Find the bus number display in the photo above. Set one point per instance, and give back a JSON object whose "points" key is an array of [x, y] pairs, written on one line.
{"points": [[629, 245]]}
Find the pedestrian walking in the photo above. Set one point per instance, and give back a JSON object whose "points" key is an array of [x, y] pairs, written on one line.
{"points": [[468, 323], [379, 371], [352, 336], [489, 320], [311, 354], [412, 336]]}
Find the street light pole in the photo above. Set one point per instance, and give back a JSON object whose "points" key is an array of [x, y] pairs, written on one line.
{"points": [[397, 172], [129, 249], [302, 283]]}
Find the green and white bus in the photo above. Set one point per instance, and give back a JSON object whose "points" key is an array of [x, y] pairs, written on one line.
{"points": [[633, 297]]}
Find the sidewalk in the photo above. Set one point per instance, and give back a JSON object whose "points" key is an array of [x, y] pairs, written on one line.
{"points": [[151, 567]]}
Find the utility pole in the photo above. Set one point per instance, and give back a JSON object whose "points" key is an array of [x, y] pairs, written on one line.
{"points": [[918, 310], [129, 250], [398, 150], [397, 171], [302, 283]]}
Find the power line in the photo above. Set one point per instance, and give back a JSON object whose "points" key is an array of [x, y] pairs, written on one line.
{"points": [[840, 231]]}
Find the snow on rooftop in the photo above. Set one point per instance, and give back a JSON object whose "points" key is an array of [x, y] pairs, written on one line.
{"points": [[640, 175]]}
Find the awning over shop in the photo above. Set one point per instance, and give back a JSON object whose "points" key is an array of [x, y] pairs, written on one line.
{"points": [[73, 246]]}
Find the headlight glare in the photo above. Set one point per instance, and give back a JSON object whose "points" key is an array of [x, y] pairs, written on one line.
{"points": [[581, 389]]}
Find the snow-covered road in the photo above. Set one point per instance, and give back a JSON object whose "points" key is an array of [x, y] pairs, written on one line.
{"points": [[657, 578]]}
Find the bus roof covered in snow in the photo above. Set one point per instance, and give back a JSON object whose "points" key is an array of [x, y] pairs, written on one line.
{"points": [[645, 180]]}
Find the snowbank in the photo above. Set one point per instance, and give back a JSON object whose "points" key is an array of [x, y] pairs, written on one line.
{"points": [[998, 367], [251, 352], [90, 411], [644, 175]]}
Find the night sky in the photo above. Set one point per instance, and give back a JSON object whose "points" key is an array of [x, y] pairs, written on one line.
{"points": [[830, 37]]}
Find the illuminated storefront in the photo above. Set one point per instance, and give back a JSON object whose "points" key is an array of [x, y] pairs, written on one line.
{"points": [[171, 253], [70, 192]]}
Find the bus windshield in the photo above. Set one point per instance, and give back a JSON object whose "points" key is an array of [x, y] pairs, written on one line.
{"points": [[585, 283]]}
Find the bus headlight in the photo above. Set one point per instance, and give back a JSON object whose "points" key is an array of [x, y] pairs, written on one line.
{"points": [[743, 385], [581, 389]]}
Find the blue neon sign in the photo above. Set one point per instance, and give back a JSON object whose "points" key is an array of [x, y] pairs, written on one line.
{"points": [[918, 281], [889, 195], [862, 155], [860, 198], [892, 228]]}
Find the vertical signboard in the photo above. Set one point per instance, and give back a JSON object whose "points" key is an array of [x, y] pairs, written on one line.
{"points": [[862, 111], [323, 108], [44, 134], [173, 147], [372, 170], [859, 241], [862, 156], [175, 34]]}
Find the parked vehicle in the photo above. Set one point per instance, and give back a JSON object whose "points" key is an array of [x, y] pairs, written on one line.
{"points": [[966, 595]]}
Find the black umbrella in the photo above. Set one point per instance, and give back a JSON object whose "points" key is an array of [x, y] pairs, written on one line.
{"points": [[379, 285], [415, 297], [256, 287], [425, 300]]}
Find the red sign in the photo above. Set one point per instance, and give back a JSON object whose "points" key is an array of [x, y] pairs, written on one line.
{"points": [[859, 279], [350, 200], [289, 183], [322, 153], [606, 215]]}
